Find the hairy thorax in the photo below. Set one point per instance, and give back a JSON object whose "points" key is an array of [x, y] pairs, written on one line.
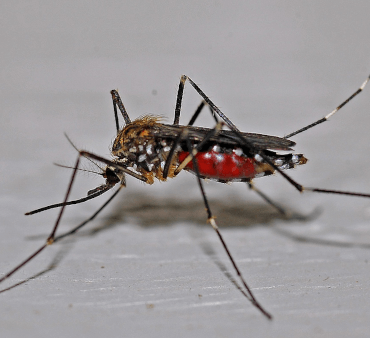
{"points": [[137, 146]]}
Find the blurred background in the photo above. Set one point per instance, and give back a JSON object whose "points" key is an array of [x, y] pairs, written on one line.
{"points": [[272, 67]]}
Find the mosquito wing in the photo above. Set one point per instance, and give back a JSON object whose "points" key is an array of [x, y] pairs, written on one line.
{"points": [[228, 137]]}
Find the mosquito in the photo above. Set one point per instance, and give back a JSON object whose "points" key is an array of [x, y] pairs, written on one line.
{"points": [[147, 149]]}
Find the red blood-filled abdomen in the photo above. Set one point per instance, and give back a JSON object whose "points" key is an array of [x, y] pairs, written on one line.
{"points": [[221, 166]]}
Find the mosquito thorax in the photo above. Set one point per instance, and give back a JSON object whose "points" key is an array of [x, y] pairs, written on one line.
{"points": [[138, 146]]}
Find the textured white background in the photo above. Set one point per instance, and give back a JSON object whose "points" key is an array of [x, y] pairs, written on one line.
{"points": [[149, 265]]}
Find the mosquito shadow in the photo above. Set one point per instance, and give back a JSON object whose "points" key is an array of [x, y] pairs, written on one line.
{"points": [[150, 211], [153, 211], [319, 241], [210, 252]]}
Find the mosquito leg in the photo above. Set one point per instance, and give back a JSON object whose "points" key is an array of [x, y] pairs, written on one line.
{"points": [[57, 239], [180, 94], [279, 208], [196, 114], [171, 154], [325, 118], [78, 227], [113, 164], [198, 111], [211, 219], [55, 262], [213, 107], [50, 239], [269, 201], [118, 102]]}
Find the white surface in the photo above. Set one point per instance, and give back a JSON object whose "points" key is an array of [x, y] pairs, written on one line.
{"points": [[272, 67]]}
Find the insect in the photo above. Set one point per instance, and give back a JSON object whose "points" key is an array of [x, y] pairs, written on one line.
{"points": [[147, 149]]}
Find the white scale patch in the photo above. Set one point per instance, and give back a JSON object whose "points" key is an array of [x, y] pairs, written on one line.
{"points": [[219, 157], [279, 162], [238, 152], [216, 148], [258, 158], [149, 149], [295, 158], [285, 166], [142, 158]]}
